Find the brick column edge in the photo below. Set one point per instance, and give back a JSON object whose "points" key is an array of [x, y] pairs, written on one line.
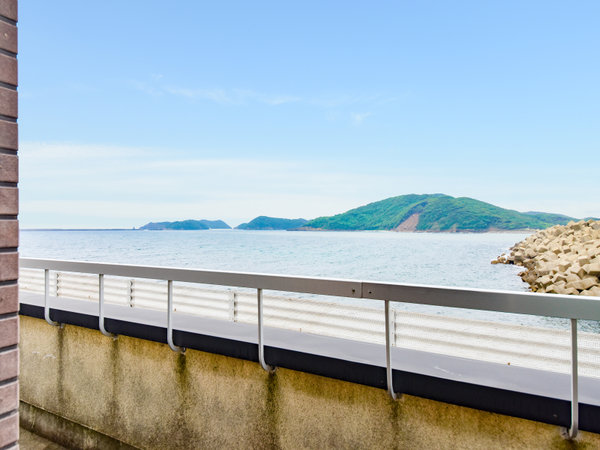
{"points": [[9, 227]]}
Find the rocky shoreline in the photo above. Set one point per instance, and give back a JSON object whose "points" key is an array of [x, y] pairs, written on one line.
{"points": [[564, 259]]}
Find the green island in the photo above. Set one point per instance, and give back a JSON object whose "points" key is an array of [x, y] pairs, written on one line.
{"points": [[413, 212], [435, 212], [186, 225], [272, 223]]}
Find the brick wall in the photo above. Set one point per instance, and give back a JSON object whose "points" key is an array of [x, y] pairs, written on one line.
{"points": [[9, 227]]}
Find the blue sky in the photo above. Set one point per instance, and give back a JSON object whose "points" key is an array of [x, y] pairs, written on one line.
{"points": [[139, 110]]}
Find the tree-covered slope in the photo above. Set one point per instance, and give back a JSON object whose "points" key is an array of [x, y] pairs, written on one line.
{"points": [[272, 223], [555, 219], [434, 212], [186, 225]]}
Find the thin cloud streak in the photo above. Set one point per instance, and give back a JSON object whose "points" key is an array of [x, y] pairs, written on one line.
{"points": [[359, 118], [234, 96], [231, 96]]}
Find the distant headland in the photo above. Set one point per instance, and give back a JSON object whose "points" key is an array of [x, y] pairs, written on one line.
{"points": [[413, 212], [187, 225], [272, 223]]}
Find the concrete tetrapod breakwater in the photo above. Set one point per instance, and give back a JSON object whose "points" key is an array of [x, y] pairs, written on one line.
{"points": [[564, 259]]}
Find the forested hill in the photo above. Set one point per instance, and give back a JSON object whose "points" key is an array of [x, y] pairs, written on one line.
{"points": [[435, 212], [186, 225], [272, 223]]}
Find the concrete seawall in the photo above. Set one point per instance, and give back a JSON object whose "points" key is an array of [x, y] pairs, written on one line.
{"points": [[140, 393]]}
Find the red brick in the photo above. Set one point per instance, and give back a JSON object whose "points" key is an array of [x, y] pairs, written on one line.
{"points": [[9, 102], [9, 364], [9, 299], [8, 69], [9, 394], [9, 9], [9, 430], [9, 266], [8, 37], [9, 331], [9, 168], [9, 135], [9, 201], [9, 233]]}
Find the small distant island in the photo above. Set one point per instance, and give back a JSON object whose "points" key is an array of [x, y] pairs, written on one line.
{"points": [[187, 225], [272, 223], [413, 212]]}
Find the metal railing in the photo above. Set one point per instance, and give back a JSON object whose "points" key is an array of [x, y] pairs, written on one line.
{"points": [[546, 305]]}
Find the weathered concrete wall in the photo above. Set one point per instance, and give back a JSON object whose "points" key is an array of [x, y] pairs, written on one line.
{"points": [[9, 227], [143, 394]]}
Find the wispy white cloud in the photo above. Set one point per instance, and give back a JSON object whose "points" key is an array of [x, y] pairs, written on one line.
{"points": [[43, 151], [95, 185], [235, 96], [358, 118], [214, 95], [146, 88], [231, 96], [74, 185]]}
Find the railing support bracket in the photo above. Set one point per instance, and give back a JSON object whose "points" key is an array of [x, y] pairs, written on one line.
{"points": [[101, 308], [574, 428], [47, 299], [261, 348], [388, 351], [173, 347]]}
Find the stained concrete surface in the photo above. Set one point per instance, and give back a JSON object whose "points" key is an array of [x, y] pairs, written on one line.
{"points": [[30, 441], [145, 395]]}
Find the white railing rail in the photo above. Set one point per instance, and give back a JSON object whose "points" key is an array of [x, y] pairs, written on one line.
{"points": [[545, 305]]}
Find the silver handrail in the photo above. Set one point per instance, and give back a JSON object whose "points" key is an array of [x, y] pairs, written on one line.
{"points": [[537, 304], [549, 305]]}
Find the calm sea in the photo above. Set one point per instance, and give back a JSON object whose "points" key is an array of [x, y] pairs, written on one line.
{"points": [[427, 258], [423, 258]]}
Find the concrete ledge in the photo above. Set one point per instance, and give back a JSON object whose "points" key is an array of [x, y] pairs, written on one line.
{"points": [[65, 432], [526, 393], [142, 393]]}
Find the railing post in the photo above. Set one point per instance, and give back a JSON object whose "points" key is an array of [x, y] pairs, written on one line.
{"points": [[261, 348], [174, 347], [388, 350], [574, 428], [101, 308], [47, 298]]}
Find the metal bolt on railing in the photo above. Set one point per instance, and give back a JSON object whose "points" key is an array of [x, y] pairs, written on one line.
{"points": [[261, 348], [56, 283], [131, 293], [233, 306], [101, 308], [174, 347]]}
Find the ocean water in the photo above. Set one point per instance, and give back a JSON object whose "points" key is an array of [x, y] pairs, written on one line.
{"points": [[461, 260], [423, 258]]}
